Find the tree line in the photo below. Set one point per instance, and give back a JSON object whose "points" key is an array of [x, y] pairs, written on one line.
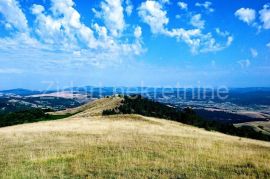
{"points": [[136, 104], [27, 116]]}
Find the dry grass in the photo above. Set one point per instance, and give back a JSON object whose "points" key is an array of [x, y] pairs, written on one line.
{"points": [[263, 126], [93, 108], [129, 146]]}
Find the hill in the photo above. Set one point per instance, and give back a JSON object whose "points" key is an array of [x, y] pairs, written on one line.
{"points": [[137, 104], [263, 126], [21, 92], [89, 144]]}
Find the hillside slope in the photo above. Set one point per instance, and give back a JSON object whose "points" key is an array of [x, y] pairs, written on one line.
{"points": [[89, 145], [93, 108], [263, 126]]}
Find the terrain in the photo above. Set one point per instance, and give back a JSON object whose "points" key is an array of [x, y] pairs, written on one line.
{"points": [[89, 144], [263, 126], [241, 105]]}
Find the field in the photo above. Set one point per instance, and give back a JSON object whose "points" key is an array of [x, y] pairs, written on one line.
{"points": [[89, 145]]}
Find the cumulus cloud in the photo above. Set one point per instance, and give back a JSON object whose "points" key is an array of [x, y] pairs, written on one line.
{"points": [[153, 14], [206, 5], [190, 37], [58, 33], [265, 16], [196, 21], [182, 5], [112, 13], [14, 17], [67, 31], [246, 15]]}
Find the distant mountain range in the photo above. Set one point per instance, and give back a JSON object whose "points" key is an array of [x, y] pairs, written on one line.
{"points": [[110, 90], [20, 92], [241, 105]]}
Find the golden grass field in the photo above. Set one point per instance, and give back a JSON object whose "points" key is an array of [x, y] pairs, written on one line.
{"points": [[88, 145]]}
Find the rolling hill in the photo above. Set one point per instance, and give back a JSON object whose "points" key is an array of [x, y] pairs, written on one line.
{"points": [[89, 144]]}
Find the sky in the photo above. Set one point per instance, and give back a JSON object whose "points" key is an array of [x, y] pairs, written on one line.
{"points": [[159, 43]]}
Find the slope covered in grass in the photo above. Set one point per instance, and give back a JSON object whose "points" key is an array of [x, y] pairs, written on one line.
{"points": [[137, 104], [89, 145], [263, 126]]}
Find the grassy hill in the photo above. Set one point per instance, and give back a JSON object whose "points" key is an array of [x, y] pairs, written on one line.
{"points": [[260, 126], [88, 145]]}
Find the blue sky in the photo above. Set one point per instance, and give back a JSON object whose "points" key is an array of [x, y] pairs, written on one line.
{"points": [[52, 43]]}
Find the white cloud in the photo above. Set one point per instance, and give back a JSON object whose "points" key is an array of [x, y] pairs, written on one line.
{"points": [[63, 27], [97, 14], [58, 33], [112, 13], [129, 7], [13, 15], [246, 15], [265, 16], [190, 37], [210, 44], [207, 5], [182, 5], [268, 45], [197, 21], [254, 52], [101, 31], [244, 63], [138, 32], [18, 41], [165, 1], [37, 9], [222, 34], [153, 14], [8, 26], [225, 34], [229, 40]]}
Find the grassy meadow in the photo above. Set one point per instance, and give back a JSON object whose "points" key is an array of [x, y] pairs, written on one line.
{"points": [[89, 145], [127, 146]]}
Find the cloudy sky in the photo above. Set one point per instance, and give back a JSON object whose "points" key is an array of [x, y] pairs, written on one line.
{"points": [[133, 43]]}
